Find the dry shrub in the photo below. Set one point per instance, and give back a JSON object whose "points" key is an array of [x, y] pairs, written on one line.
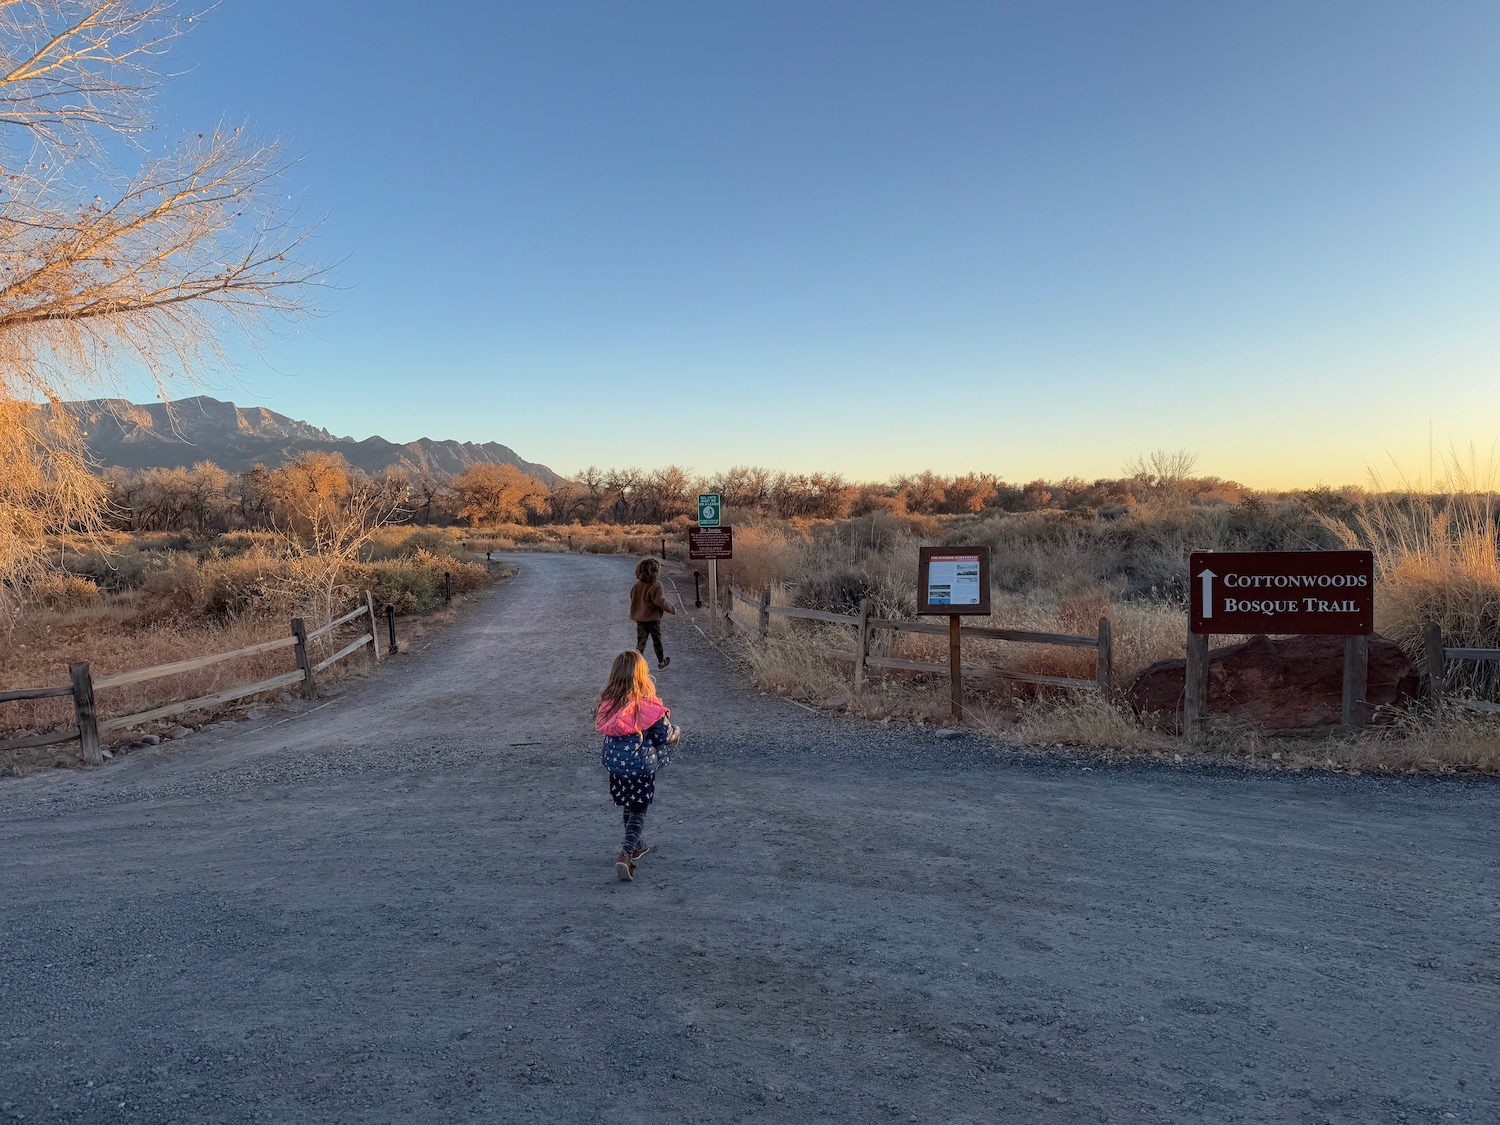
{"points": [[764, 555], [64, 592], [253, 584]]}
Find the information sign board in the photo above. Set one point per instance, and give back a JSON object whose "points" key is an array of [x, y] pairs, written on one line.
{"points": [[709, 509], [953, 580], [710, 543], [1327, 593]]}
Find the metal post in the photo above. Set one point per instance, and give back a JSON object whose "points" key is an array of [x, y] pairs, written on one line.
{"points": [[390, 628], [1356, 712], [83, 711], [299, 630], [955, 667], [697, 589], [447, 587], [664, 549]]}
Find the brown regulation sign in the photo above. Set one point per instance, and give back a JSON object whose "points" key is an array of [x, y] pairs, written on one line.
{"points": [[1330, 593], [711, 543]]}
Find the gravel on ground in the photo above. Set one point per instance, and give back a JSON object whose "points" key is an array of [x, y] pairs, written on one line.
{"points": [[401, 905]]}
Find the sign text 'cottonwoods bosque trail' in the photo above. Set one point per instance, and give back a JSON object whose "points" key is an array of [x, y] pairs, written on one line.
{"points": [[1330, 593]]}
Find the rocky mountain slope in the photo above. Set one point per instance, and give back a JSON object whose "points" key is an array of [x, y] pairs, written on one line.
{"points": [[152, 435]]}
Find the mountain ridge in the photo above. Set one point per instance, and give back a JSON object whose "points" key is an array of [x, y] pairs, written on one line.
{"points": [[160, 435]]}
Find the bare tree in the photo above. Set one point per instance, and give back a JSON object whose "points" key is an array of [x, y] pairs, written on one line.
{"points": [[103, 269], [1162, 477]]}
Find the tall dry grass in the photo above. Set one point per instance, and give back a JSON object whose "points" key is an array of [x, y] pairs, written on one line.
{"points": [[1436, 561]]}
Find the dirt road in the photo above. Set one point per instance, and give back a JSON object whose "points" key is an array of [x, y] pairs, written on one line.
{"points": [[402, 907]]}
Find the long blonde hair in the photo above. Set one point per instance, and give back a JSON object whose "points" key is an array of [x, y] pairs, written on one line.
{"points": [[629, 680]]}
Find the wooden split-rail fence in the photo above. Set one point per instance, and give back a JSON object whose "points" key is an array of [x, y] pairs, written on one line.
{"points": [[866, 626], [89, 728], [1439, 658]]}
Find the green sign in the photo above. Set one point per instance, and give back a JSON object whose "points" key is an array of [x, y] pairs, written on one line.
{"points": [[708, 509]]}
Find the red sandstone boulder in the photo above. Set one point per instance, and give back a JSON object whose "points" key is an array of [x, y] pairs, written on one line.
{"points": [[1282, 685]]}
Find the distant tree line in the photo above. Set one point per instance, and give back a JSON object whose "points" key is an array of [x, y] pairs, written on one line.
{"points": [[205, 498]]}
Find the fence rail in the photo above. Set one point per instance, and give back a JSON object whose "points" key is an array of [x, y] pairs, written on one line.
{"points": [[88, 727], [866, 625], [1438, 656]]}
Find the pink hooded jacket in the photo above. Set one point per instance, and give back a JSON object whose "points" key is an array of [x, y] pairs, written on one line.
{"points": [[634, 717]]}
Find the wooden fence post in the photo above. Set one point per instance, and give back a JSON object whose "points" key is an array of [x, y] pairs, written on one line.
{"points": [[83, 711], [1195, 686], [864, 643], [1103, 667], [1356, 674], [309, 687], [374, 627], [955, 667], [1437, 663], [390, 629], [765, 612]]}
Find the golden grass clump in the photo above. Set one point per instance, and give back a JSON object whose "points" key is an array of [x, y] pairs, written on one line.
{"points": [[1436, 561]]}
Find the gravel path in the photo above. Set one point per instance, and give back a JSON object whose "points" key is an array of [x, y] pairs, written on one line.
{"points": [[401, 907]]}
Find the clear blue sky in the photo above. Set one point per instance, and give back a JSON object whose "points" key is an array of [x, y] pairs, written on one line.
{"points": [[874, 237]]}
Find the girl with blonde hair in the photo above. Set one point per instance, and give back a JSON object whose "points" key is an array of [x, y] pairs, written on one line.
{"points": [[637, 728]]}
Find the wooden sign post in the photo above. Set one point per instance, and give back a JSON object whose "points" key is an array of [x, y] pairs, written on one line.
{"points": [[1310, 593], [953, 582], [710, 516]]}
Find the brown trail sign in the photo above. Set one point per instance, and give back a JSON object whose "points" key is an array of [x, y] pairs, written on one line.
{"points": [[1326, 593], [711, 544], [1323, 593]]}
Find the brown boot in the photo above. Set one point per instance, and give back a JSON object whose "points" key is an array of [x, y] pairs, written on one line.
{"points": [[624, 868]]}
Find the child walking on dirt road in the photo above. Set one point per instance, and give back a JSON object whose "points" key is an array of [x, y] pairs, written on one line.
{"points": [[637, 729], [648, 601]]}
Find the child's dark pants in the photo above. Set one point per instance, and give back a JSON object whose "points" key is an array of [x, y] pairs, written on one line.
{"points": [[635, 824], [651, 629]]}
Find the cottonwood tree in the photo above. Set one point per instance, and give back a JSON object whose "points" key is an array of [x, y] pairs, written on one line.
{"points": [[488, 493], [105, 268]]}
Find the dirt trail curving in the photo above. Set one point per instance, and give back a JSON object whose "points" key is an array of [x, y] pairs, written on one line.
{"points": [[401, 907]]}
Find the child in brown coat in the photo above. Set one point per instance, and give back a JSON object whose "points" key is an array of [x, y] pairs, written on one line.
{"points": [[648, 601]]}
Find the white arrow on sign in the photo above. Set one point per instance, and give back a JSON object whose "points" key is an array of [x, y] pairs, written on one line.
{"points": [[1208, 577]]}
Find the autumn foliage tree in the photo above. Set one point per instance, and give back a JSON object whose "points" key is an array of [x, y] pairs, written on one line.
{"points": [[104, 268], [489, 493]]}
